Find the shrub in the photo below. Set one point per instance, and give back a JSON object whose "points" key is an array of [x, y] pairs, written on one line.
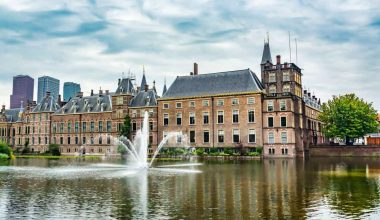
{"points": [[54, 150], [5, 149], [121, 149], [254, 154], [259, 150], [228, 151], [4, 156], [200, 151]]}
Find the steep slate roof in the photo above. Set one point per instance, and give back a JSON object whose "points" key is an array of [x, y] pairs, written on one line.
{"points": [[164, 90], [47, 104], [237, 81], [12, 115], [95, 103], [125, 87], [266, 54], [148, 98], [143, 82]]}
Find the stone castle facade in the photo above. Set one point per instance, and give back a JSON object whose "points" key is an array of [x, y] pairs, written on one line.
{"points": [[231, 109]]}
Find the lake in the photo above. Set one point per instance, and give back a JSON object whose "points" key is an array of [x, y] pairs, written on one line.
{"points": [[314, 188]]}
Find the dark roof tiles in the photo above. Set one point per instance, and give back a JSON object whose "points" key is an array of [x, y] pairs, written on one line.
{"points": [[238, 81]]}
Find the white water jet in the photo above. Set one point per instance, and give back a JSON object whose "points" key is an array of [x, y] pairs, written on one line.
{"points": [[138, 149]]}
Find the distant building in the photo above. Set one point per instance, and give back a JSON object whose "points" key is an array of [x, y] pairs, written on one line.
{"points": [[47, 84], [70, 90], [23, 86]]}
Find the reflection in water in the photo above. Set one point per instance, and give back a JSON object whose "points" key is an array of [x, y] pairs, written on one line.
{"points": [[267, 189]]}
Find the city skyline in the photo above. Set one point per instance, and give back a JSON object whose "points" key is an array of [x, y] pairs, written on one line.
{"points": [[334, 41]]}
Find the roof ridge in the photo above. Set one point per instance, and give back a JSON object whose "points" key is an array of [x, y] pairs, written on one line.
{"points": [[213, 73]]}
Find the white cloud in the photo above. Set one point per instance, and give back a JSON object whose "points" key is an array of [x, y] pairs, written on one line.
{"points": [[92, 43]]}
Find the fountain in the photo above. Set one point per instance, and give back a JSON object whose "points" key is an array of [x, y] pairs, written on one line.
{"points": [[138, 149]]}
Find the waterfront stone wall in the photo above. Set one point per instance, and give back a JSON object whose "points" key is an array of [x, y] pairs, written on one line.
{"points": [[345, 151]]}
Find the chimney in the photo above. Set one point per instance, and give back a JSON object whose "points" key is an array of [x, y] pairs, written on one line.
{"points": [[92, 92], [2, 108], [59, 100], [119, 82], [313, 97], [305, 92], [107, 92], [309, 94], [146, 87], [195, 68], [278, 59], [34, 103], [100, 92], [191, 73], [47, 94]]}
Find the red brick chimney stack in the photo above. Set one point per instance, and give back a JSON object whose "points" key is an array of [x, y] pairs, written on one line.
{"points": [[278, 59], [195, 69]]}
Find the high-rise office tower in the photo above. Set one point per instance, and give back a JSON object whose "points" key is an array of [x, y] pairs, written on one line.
{"points": [[70, 90], [23, 86], [47, 84]]}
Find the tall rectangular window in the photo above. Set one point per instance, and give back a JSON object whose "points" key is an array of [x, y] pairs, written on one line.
{"points": [[92, 126], [68, 140], [179, 118], [192, 118], [284, 138], [84, 126], [206, 136], [251, 136], [235, 116], [60, 129], [100, 126], [192, 136], [134, 126], [236, 135], [270, 106], [61, 140], [272, 77], [69, 127], [84, 140], [166, 119], [270, 122], [271, 138], [220, 117], [76, 126], [109, 126], [151, 126], [76, 140], [251, 116], [205, 118], [220, 136], [283, 121], [283, 105], [285, 76]]}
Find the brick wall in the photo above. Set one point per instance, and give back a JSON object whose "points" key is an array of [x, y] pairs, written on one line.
{"points": [[345, 151]]}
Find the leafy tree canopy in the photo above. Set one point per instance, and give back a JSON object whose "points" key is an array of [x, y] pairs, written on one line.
{"points": [[126, 127], [348, 117]]}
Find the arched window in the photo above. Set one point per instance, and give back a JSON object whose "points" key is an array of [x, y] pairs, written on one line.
{"points": [[100, 140]]}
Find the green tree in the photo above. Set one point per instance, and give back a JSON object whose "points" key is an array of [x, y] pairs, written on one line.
{"points": [[125, 129], [54, 150], [6, 150], [348, 117]]}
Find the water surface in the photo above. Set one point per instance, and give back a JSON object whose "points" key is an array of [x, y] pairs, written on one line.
{"points": [[317, 188]]}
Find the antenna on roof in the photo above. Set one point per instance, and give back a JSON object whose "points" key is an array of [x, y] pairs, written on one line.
{"points": [[295, 39], [267, 37], [290, 48]]}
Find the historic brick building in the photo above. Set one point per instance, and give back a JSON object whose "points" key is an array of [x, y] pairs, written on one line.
{"points": [[214, 110], [231, 109]]}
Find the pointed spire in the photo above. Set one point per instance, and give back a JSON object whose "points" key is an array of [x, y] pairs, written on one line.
{"points": [[266, 53], [143, 81], [164, 90]]}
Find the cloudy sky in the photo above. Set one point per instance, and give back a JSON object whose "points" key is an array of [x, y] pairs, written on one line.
{"points": [[93, 42]]}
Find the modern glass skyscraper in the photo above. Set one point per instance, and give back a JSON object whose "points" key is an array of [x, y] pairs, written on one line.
{"points": [[70, 90], [23, 87], [45, 84]]}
